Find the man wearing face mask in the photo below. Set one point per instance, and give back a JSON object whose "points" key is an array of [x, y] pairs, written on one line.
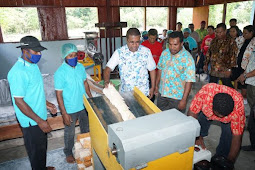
{"points": [[70, 85], [26, 85]]}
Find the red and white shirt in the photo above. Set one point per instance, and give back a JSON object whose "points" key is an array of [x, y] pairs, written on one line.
{"points": [[203, 101]]}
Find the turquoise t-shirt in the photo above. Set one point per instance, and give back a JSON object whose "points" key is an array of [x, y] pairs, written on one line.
{"points": [[71, 81], [26, 82], [192, 42]]}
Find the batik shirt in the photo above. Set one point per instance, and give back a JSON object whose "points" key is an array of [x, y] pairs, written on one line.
{"points": [[203, 101], [176, 70], [221, 55], [133, 68]]}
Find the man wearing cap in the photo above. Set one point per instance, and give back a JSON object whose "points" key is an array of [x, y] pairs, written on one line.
{"points": [[134, 61], [70, 85], [26, 85]]}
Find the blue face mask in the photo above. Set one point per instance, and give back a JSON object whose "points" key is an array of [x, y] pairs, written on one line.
{"points": [[72, 62], [145, 37], [33, 57]]}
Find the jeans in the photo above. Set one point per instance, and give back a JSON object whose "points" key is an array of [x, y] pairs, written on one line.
{"points": [[69, 131], [224, 145], [36, 145], [225, 81]]}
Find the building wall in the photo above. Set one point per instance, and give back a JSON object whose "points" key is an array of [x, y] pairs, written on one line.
{"points": [[51, 58]]}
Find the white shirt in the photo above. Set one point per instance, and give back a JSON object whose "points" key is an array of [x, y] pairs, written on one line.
{"points": [[133, 67]]}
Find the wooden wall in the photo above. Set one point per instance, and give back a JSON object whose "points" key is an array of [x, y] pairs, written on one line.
{"points": [[213, 2], [95, 3]]}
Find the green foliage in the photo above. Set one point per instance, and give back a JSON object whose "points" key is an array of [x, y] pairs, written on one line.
{"points": [[134, 16], [18, 20], [81, 18], [184, 15]]}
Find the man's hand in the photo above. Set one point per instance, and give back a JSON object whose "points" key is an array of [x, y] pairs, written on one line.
{"points": [[44, 126], [151, 93], [156, 90], [205, 68], [51, 107], [182, 104], [241, 79], [67, 119], [106, 84], [200, 142]]}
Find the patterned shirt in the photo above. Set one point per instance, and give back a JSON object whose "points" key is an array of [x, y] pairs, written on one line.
{"points": [[133, 68], [176, 71], [221, 55], [203, 101], [250, 68]]}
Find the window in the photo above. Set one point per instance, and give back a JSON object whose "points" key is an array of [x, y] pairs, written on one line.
{"points": [[134, 16], [19, 22], [184, 15], [156, 18], [242, 11], [80, 20], [215, 14]]}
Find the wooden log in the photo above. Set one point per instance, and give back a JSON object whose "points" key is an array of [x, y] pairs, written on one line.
{"points": [[14, 131]]}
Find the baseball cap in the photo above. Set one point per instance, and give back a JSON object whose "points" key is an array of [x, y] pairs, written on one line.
{"points": [[30, 42]]}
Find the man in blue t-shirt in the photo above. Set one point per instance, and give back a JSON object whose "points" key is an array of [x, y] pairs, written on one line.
{"points": [[70, 85], [26, 85]]}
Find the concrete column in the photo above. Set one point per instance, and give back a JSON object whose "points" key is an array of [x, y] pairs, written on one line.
{"points": [[200, 14]]}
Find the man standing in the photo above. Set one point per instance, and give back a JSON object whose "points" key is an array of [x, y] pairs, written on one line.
{"points": [[223, 104], [28, 98], [154, 46], [193, 33], [134, 61], [202, 31], [222, 56], [176, 72], [179, 26], [232, 23], [70, 85], [249, 78], [163, 36]]}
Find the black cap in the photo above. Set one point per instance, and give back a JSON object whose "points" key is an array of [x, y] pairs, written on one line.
{"points": [[30, 42]]}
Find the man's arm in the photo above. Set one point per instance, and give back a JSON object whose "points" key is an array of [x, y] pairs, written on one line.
{"points": [[183, 102], [51, 107], [158, 76], [235, 147], [87, 88], [26, 110], [153, 80], [199, 140], [107, 72], [66, 117]]}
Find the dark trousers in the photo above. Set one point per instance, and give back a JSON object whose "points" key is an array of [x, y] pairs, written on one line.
{"points": [[165, 103], [251, 121], [225, 81], [36, 145], [69, 131], [224, 145]]}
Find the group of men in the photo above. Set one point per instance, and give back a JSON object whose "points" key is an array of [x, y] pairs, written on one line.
{"points": [[28, 97], [167, 74]]}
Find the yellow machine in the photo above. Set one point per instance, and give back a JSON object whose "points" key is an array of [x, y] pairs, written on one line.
{"points": [[151, 141]]}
